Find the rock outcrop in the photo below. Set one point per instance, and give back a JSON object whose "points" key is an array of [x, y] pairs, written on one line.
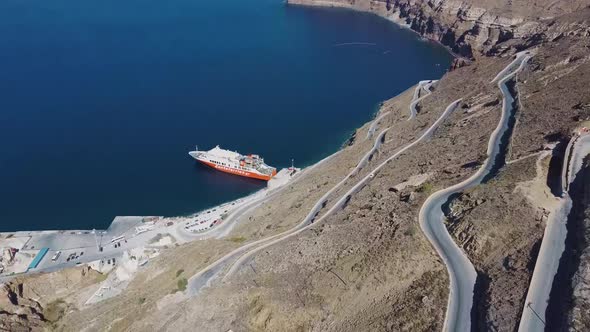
{"points": [[18, 313]]}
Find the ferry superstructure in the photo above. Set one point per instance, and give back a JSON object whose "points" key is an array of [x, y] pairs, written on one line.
{"points": [[251, 166]]}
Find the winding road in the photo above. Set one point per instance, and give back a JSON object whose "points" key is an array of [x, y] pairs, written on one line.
{"points": [[427, 86], [204, 277], [346, 197], [462, 274], [374, 124]]}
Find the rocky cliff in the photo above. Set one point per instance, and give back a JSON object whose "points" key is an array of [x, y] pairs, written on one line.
{"points": [[471, 28], [17, 312]]}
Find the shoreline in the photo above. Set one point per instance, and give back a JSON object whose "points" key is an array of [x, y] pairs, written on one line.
{"points": [[398, 21], [300, 172], [209, 229], [126, 233], [134, 232]]}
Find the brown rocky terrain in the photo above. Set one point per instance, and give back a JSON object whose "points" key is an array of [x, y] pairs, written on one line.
{"points": [[35, 303], [501, 231], [368, 267], [19, 313]]}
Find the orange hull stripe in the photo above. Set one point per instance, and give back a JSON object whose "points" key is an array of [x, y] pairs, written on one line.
{"points": [[239, 172]]}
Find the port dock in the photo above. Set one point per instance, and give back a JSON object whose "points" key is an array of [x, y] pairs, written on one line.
{"points": [[25, 252]]}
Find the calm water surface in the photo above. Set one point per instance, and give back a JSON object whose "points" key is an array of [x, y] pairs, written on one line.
{"points": [[100, 101]]}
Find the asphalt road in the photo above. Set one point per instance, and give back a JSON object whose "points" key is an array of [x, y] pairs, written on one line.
{"points": [[462, 274], [346, 197], [426, 85], [374, 124]]}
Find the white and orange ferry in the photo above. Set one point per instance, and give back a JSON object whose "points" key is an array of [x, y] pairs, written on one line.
{"points": [[251, 166]]}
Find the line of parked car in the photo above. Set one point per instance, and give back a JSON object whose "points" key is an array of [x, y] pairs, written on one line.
{"points": [[74, 256]]}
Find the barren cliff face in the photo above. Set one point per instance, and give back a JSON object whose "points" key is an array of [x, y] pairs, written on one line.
{"points": [[468, 28]]}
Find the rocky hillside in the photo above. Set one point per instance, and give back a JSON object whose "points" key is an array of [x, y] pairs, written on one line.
{"points": [[35, 303], [18, 312], [367, 266]]}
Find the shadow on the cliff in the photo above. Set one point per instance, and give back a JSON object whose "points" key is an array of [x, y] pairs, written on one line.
{"points": [[555, 165], [480, 304], [500, 160], [561, 296]]}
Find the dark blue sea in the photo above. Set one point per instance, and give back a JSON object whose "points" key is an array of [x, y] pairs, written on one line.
{"points": [[100, 101]]}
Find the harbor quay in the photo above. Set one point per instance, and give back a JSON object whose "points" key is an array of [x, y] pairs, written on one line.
{"points": [[26, 252]]}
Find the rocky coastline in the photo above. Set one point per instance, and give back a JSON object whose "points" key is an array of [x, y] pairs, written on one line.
{"points": [[469, 29]]}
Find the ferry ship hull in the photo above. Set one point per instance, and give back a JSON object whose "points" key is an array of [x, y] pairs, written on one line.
{"points": [[239, 172], [231, 162]]}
